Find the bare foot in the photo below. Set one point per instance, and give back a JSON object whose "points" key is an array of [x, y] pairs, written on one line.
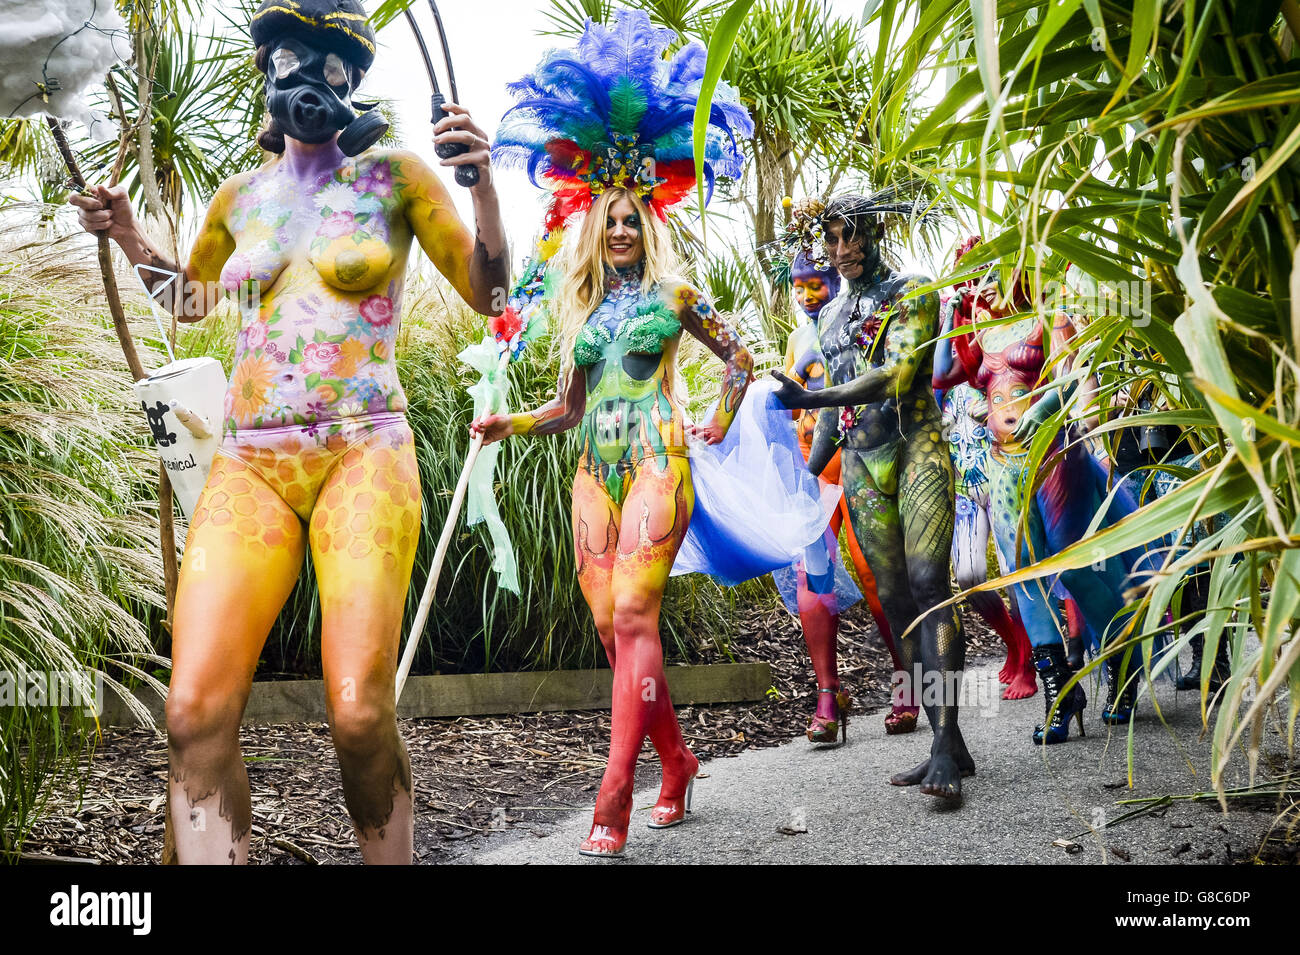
{"points": [[1023, 686], [941, 774]]}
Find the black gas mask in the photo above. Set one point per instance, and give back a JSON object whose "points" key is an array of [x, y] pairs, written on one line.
{"points": [[309, 94]]}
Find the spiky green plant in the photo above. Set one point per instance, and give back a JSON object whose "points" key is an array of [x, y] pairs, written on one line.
{"points": [[1154, 146], [198, 137], [80, 576]]}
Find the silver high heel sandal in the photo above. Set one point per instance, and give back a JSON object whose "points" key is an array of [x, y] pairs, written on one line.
{"points": [[672, 815]]}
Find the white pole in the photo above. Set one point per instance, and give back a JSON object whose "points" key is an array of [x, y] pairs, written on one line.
{"points": [[440, 555]]}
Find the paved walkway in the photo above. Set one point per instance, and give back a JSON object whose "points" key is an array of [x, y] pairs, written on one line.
{"points": [[749, 809]]}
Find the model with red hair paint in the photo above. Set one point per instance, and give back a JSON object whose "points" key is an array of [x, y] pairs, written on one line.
{"points": [[1037, 513], [968, 441]]}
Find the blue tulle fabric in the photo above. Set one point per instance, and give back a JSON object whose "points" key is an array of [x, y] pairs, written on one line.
{"points": [[757, 507], [828, 580]]}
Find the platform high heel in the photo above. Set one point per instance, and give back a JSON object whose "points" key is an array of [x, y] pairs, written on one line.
{"points": [[1054, 671], [1119, 699], [605, 841], [824, 731], [671, 811]]}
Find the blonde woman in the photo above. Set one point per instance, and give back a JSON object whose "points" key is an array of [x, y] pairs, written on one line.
{"points": [[621, 312]]}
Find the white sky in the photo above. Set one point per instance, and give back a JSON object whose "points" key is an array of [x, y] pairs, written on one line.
{"points": [[493, 42]]}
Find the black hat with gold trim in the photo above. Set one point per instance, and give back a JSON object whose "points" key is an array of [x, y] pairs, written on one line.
{"points": [[340, 26]]}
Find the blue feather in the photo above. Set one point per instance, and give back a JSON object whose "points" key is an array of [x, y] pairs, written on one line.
{"points": [[688, 66], [568, 96], [563, 71], [631, 47]]}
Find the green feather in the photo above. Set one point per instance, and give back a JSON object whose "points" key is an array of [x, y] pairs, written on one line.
{"points": [[627, 106], [589, 135]]}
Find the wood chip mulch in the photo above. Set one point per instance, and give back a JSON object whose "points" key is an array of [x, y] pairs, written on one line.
{"points": [[473, 776]]}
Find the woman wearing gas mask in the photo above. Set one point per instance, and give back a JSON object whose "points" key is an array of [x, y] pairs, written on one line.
{"points": [[316, 449]]}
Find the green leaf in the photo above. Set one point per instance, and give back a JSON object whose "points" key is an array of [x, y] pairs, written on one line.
{"points": [[1266, 423], [1271, 166], [1097, 262], [1167, 514], [1146, 15], [719, 52], [1243, 307], [1198, 330]]}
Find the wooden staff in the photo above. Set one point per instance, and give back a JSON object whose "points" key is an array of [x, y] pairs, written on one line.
{"points": [[166, 522]]}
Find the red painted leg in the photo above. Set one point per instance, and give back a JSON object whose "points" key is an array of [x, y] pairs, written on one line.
{"points": [[821, 632], [1018, 671]]}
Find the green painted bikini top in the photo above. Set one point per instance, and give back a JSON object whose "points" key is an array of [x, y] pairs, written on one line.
{"points": [[638, 325]]}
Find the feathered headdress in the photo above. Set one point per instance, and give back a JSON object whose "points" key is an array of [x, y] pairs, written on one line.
{"points": [[801, 246], [614, 111]]}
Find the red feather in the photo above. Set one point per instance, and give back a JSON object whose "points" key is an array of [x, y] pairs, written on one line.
{"points": [[568, 159], [566, 203]]}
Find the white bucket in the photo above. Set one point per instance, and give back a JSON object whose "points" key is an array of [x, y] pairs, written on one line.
{"points": [[184, 402]]}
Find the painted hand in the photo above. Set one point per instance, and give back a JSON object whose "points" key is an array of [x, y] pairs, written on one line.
{"points": [[107, 209], [790, 393], [711, 433], [459, 127], [493, 427], [1037, 415]]}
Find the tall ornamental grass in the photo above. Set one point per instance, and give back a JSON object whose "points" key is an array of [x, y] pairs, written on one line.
{"points": [[80, 573]]}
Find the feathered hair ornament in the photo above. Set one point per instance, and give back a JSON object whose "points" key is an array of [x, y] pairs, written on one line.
{"points": [[860, 211], [614, 111], [801, 246], [804, 238]]}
